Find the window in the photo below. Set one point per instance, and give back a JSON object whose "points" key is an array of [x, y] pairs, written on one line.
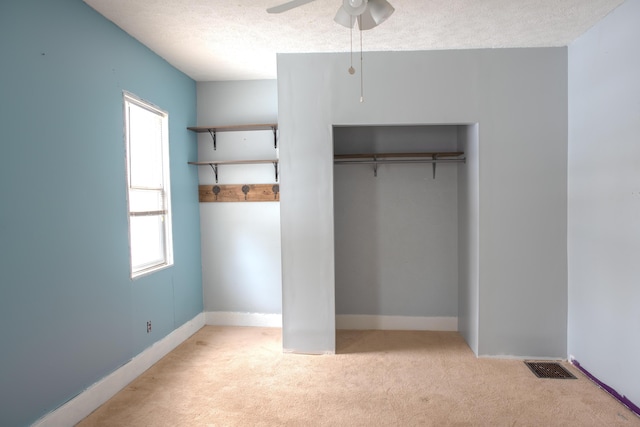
{"points": [[148, 195]]}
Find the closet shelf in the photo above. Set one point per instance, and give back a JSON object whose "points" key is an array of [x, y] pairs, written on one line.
{"points": [[234, 162], [215, 163], [234, 128], [388, 158], [212, 130]]}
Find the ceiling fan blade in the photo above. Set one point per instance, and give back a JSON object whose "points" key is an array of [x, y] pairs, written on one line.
{"points": [[287, 6]]}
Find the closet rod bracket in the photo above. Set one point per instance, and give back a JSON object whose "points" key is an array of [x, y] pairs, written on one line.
{"points": [[435, 160]]}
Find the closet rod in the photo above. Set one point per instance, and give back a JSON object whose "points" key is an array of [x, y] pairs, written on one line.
{"points": [[401, 155], [381, 161], [375, 162]]}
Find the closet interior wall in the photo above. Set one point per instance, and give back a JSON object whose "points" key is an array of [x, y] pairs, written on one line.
{"points": [[396, 234]]}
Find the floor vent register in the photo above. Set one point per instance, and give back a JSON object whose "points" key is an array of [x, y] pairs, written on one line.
{"points": [[549, 370]]}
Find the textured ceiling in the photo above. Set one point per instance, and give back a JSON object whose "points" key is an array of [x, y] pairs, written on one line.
{"points": [[214, 40]]}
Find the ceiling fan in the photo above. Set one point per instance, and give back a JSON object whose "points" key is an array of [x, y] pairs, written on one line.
{"points": [[368, 13]]}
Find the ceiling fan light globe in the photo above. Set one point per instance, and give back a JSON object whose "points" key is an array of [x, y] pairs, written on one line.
{"points": [[377, 12], [344, 19], [354, 7]]}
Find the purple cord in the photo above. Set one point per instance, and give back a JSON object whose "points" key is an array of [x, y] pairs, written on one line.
{"points": [[622, 399]]}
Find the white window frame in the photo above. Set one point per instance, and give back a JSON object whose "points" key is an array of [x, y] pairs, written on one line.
{"points": [[165, 235]]}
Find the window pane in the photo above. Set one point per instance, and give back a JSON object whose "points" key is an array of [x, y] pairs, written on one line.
{"points": [[146, 200], [147, 242], [145, 142]]}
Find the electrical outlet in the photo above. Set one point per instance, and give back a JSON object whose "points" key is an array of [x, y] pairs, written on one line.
{"points": [[149, 326]]}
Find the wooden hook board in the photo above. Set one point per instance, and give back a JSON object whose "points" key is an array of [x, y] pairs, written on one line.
{"points": [[239, 193]]}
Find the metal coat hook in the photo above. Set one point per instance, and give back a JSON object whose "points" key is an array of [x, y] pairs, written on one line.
{"points": [[276, 190], [216, 191], [375, 166], [245, 190]]}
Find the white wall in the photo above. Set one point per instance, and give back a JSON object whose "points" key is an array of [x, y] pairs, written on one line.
{"points": [[396, 235], [519, 99], [604, 200], [241, 267], [468, 236]]}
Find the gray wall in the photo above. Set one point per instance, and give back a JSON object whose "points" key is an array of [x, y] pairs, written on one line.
{"points": [[604, 200], [519, 99], [468, 236], [240, 241], [396, 235]]}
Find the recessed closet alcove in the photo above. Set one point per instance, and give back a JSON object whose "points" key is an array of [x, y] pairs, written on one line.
{"points": [[405, 201], [514, 235]]}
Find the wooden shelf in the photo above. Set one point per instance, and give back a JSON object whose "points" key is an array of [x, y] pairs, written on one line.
{"points": [[234, 128], [234, 162], [215, 163], [213, 130]]}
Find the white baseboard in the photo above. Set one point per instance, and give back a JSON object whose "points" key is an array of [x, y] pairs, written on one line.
{"points": [[344, 321], [232, 318], [403, 323], [512, 357], [89, 400]]}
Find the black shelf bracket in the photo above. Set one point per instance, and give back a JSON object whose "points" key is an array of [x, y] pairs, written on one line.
{"points": [[215, 171], [212, 132], [275, 138]]}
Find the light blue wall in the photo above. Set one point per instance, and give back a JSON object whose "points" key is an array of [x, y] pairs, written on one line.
{"points": [[69, 313], [604, 200]]}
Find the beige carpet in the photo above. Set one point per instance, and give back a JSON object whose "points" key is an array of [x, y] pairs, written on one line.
{"points": [[230, 376]]}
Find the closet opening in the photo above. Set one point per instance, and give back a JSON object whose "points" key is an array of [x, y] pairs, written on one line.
{"points": [[403, 196]]}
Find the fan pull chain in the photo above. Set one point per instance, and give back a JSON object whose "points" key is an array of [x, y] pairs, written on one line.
{"points": [[351, 69], [361, 66]]}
